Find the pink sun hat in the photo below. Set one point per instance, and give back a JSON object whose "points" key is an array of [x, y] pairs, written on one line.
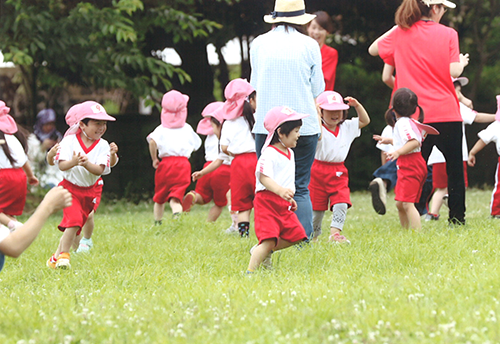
{"points": [[174, 109], [88, 109], [7, 123], [236, 93], [497, 115], [331, 100], [204, 127], [276, 117]]}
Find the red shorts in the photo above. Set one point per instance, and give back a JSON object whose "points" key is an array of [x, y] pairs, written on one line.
{"points": [[84, 200], [242, 181], [274, 220], [412, 172], [172, 178], [13, 189], [98, 191], [214, 185], [329, 183], [440, 177]]}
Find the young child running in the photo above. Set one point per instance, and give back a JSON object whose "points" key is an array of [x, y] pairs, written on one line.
{"points": [[83, 157], [237, 140], [173, 142], [329, 176], [216, 184], [15, 170], [407, 140], [490, 134], [276, 225]]}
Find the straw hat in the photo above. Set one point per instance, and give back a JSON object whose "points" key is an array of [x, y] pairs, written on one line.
{"points": [[439, 2], [289, 11]]}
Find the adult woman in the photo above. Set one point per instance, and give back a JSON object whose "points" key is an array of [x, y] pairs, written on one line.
{"points": [[319, 28], [286, 70], [426, 55]]}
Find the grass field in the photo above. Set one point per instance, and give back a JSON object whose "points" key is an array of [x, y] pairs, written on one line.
{"points": [[184, 282]]}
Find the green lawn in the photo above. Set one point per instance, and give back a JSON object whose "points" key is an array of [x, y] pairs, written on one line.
{"points": [[184, 282]]}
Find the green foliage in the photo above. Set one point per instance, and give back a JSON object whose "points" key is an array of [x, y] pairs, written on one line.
{"points": [[184, 282]]}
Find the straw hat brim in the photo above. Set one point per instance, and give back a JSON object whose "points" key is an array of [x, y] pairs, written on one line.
{"points": [[298, 20]]}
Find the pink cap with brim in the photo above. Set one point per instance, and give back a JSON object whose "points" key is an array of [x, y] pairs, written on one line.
{"points": [[174, 109], [276, 117], [497, 115], [236, 93], [204, 127], [88, 109], [331, 100], [7, 123], [462, 80]]}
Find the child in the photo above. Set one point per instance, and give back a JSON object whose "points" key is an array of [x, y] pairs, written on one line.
{"points": [[15, 169], [237, 140], [276, 225], [173, 142], [490, 134], [437, 160], [407, 140], [216, 184], [329, 178], [83, 157]]}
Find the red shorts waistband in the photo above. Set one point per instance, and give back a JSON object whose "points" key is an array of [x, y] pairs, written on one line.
{"points": [[321, 162], [66, 183]]}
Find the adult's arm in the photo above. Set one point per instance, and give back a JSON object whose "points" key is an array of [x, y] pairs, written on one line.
{"points": [[373, 49], [456, 68]]}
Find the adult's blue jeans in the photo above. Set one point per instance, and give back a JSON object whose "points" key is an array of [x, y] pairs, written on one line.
{"points": [[304, 158]]}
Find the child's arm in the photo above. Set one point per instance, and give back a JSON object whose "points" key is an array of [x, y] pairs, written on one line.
{"points": [[484, 118], [480, 144], [153, 151], [320, 121], [271, 185], [65, 165], [32, 180], [51, 154], [113, 149], [383, 140], [388, 75], [224, 149], [364, 119], [83, 161], [407, 148], [210, 168], [464, 100], [18, 241]]}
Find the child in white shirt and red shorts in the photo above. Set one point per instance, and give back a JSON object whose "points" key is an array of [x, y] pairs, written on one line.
{"points": [[173, 142], [83, 156], [276, 225]]}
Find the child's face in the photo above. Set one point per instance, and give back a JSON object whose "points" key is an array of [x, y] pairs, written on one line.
{"points": [[332, 118], [48, 127], [94, 129], [215, 128], [291, 139], [253, 102]]}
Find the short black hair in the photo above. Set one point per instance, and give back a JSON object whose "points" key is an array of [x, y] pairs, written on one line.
{"points": [[286, 129], [86, 121]]}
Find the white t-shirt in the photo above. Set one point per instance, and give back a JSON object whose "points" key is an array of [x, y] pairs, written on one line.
{"points": [[213, 152], [387, 132], [333, 148], [468, 117], [175, 142], [491, 133], [237, 136], [404, 132], [16, 151], [97, 154], [278, 166]]}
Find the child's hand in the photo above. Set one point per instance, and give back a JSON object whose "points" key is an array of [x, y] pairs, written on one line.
{"points": [[472, 160], [383, 140], [392, 156], [293, 207], [286, 194], [51, 154], [75, 159], [113, 148], [353, 102], [196, 175], [83, 160], [33, 181], [156, 163]]}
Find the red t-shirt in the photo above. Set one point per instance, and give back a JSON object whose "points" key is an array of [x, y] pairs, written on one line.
{"points": [[329, 59], [422, 57]]}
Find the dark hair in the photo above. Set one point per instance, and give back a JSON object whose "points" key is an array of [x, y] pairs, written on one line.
{"points": [[325, 21], [299, 28], [404, 103], [410, 12], [215, 121], [286, 129], [21, 135], [248, 111]]}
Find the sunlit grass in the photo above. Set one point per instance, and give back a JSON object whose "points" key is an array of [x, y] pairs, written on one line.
{"points": [[184, 282]]}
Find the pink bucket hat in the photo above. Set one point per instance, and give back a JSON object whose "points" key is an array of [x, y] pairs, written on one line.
{"points": [[174, 109], [88, 109], [330, 100], [236, 93], [276, 117], [497, 115], [204, 127], [7, 123]]}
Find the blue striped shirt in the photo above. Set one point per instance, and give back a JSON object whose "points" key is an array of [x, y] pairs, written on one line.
{"points": [[286, 71]]}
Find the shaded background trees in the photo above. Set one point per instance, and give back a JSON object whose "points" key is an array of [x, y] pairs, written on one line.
{"points": [[116, 46]]}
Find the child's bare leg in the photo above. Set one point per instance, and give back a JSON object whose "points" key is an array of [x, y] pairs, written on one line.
{"points": [[158, 211], [67, 239], [88, 227], [214, 213], [260, 253], [412, 215], [437, 200], [403, 218], [284, 244], [176, 205], [198, 199]]}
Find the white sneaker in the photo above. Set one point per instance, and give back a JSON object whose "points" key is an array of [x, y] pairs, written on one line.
{"points": [[267, 263], [232, 230], [85, 245], [379, 195]]}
